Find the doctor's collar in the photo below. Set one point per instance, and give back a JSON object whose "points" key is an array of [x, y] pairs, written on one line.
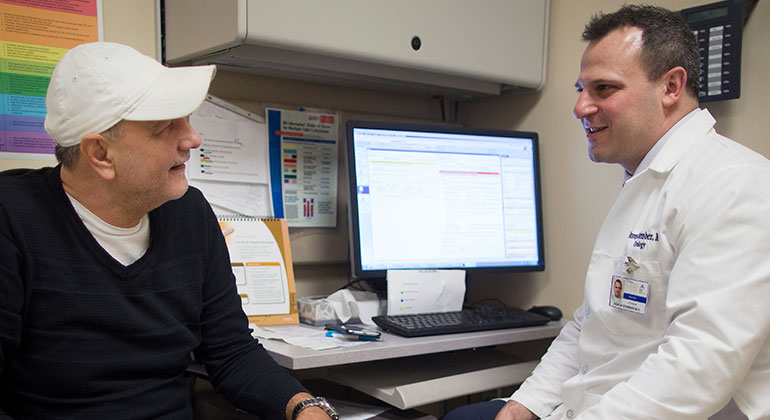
{"points": [[650, 156]]}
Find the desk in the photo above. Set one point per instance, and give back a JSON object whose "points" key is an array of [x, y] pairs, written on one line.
{"points": [[409, 372]]}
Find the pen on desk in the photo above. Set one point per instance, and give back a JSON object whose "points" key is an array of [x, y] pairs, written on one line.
{"points": [[354, 330], [330, 333]]}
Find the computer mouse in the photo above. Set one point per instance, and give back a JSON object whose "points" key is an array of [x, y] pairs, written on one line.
{"points": [[551, 312]]}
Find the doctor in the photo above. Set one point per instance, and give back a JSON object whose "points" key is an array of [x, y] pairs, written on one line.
{"points": [[687, 238]]}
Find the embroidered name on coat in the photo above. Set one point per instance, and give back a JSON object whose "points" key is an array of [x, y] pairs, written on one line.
{"points": [[641, 238]]}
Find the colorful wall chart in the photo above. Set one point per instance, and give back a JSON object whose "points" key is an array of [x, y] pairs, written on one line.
{"points": [[303, 166], [34, 34]]}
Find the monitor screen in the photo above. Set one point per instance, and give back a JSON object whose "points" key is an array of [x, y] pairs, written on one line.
{"points": [[442, 197]]}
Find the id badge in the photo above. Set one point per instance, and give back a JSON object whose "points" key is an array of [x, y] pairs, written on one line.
{"points": [[629, 294]]}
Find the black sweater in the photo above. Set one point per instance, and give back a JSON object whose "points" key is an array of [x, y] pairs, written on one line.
{"points": [[82, 336]]}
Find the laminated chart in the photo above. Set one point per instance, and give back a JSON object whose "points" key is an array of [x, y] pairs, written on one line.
{"points": [[34, 34]]}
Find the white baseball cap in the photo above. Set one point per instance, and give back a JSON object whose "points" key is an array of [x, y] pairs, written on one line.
{"points": [[96, 85]]}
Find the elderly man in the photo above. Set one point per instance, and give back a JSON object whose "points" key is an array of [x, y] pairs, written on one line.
{"points": [[112, 270]]}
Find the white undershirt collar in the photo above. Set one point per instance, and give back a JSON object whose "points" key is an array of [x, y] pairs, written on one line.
{"points": [[126, 245]]}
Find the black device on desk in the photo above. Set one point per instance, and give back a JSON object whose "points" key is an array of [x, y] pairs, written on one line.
{"points": [[466, 320]]}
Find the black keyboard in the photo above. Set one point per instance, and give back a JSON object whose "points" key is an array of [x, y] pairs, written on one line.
{"points": [[466, 320]]}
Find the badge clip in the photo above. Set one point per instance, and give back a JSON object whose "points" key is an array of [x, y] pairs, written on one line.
{"points": [[631, 265]]}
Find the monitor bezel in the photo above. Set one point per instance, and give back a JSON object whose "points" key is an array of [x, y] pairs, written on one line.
{"points": [[353, 215]]}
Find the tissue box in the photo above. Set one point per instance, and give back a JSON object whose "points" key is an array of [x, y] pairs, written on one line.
{"points": [[314, 310]]}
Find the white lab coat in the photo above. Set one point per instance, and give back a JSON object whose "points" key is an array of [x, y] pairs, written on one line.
{"points": [[696, 224]]}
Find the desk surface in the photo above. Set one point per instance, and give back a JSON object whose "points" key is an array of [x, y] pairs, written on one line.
{"points": [[393, 346]]}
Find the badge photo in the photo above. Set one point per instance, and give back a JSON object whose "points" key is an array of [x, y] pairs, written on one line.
{"points": [[629, 294]]}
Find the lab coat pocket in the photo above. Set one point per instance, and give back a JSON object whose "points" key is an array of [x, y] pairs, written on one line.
{"points": [[638, 310], [642, 310]]}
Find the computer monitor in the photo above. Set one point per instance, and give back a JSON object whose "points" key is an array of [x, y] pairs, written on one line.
{"points": [[442, 197]]}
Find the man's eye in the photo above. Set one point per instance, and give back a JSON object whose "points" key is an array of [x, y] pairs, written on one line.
{"points": [[605, 90], [159, 131]]}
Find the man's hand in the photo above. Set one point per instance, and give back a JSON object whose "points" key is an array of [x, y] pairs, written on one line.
{"points": [[512, 410]]}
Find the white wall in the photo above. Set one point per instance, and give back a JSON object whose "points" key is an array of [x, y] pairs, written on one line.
{"points": [[577, 192]]}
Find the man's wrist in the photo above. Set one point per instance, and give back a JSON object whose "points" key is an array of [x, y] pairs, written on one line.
{"points": [[319, 402], [517, 411]]}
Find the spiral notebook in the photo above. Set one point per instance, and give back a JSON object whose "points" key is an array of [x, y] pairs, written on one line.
{"points": [[260, 257]]}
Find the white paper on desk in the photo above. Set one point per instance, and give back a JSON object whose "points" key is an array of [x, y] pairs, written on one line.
{"points": [[421, 291], [303, 336], [299, 336]]}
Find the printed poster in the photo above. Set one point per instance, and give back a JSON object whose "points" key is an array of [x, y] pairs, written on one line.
{"points": [[303, 166], [34, 34]]}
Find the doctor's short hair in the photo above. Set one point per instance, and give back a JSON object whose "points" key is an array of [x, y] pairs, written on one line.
{"points": [[668, 41]]}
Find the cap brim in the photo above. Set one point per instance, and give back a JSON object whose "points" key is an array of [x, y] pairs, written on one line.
{"points": [[178, 92]]}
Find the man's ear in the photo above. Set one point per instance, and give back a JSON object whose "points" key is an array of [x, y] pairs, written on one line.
{"points": [[674, 84], [94, 149]]}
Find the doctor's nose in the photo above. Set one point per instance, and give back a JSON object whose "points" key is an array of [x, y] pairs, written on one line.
{"points": [[584, 106]]}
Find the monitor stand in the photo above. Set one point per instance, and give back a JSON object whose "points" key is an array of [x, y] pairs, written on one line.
{"points": [[378, 285]]}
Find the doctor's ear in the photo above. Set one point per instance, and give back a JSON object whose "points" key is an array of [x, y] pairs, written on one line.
{"points": [[674, 84], [94, 148]]}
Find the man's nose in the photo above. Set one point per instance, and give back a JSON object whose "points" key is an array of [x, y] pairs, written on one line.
{"points": [[191, 139], [584, 106]]}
